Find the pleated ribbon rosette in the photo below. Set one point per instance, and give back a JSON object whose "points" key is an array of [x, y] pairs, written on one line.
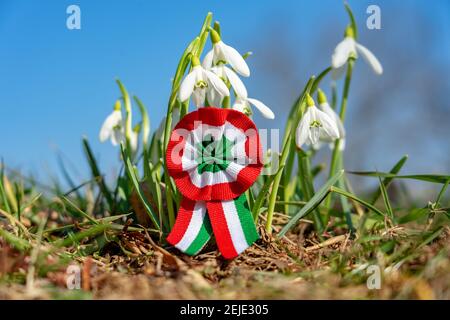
{"points": [[214, 156]]}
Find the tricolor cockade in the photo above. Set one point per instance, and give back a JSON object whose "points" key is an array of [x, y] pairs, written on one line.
{"points": [[214, 156]]}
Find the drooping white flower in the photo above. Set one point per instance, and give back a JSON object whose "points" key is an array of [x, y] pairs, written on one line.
{"points": [[325, 107], [222, 53], [243, 105], [113, 127], [349, 47], [314, 125], [228, 75], [134, 138], [200, 81]]}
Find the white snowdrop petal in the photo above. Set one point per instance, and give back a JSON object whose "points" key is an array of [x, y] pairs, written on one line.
{"points": [[108, 125], [302, 133], [342, 52], [214, 98], [265, 110], [235, 59], [236, 83], [217, 83], [328, 125], [198, 97], [370, 58], [335, 117], [239, 107], [117, 136], [187, 85], [208, 60]]}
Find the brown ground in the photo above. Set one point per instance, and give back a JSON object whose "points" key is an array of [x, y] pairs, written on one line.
{"points": [[291, 268]]}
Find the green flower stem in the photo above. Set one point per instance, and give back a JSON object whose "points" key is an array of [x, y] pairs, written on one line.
{"points": [[294, 117], [195, 48], [128, 116], [336, 151], [308, 187], [145, 122], [275, 185]]}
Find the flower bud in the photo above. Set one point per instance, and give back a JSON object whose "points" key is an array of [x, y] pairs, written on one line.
{"points": [[321, 97], [195, 61], [214, 36], [117, 105], [309, 101], [349, 32]]}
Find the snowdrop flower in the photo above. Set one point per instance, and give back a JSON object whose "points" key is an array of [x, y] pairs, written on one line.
{"points": [[227, 75], [200, 81], [314, 125], [325, 107], [222, 54], [348, 48], [134, 138], [112, 127], [243, 105]]}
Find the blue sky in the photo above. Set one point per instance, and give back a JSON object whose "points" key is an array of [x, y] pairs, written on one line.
{"points": [[58, 84]]}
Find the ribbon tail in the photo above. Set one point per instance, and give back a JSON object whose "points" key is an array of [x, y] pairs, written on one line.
{"points": [[192, 228], [233, 225]]}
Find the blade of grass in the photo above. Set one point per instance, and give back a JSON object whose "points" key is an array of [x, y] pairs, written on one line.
{"points": [[386, 181], [99, 221], [2, 189], [77, 237], [352, 20], [74, 207], [313, 203], [355, 198], [18, 243], [346, 208], [442, 192], [290, 127], [145, 122], [387, 203], [132, 176], [434, 178], [97, 175], [263, 194], [308, 187]]}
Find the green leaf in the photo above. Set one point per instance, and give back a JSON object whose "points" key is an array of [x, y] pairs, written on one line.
{"points": [[313, 203], [319, 79], [263, 194], [203, 35], [434, 178], [386, 201], [217, 27], [386, 181], [84, 214], [346, 208], [132, 176], [442, 192], [128, 114], [308, 186], [352, 20], [145, 122], [96, 174], [431, 237], [77, 237], [415, 214], [355, 198], [13, 240], [2, 190]]}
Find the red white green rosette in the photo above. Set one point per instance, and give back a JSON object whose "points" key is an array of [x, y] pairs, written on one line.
{"points": [[214, 156]]}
